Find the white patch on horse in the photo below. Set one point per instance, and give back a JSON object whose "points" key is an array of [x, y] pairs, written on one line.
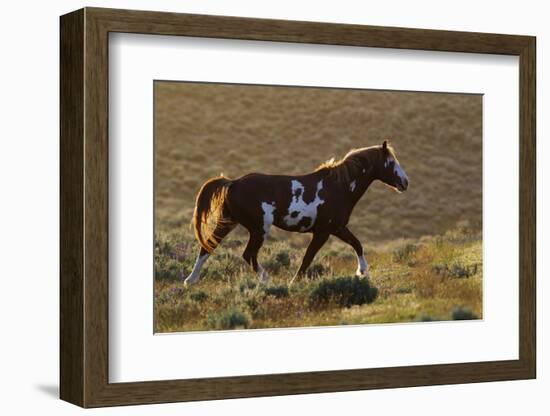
{"points": [[299, 209], [268, 217], [362, 266], [195, 274], [352, 186]]}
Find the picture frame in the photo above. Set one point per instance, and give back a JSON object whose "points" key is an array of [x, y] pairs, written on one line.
{"points": [[84, 216]]}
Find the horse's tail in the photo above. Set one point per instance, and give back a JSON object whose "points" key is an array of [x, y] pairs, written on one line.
{"points": [[210, 211]]}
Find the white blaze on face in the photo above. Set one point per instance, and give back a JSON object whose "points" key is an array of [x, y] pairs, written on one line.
{"points": [[196, 273], [397, 170], [268, 210], [352, 186], [400, 172], [299, 209]]}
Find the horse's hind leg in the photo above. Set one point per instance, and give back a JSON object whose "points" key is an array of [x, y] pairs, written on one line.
{"points": [[347, 236], [219, 233], [250, 254], [196, 273]]}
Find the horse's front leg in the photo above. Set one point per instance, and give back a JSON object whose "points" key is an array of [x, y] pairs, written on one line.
{"points": [[347, 236], [318, 240]]}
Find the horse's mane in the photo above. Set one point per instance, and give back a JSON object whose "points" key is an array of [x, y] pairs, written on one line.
{"points": [[350, 166]]}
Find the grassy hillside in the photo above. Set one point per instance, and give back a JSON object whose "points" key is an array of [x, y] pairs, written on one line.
{"points": [[433, 278], [204, 129]]}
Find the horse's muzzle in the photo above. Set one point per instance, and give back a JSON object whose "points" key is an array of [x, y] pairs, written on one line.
{"points": [[403, 185]]}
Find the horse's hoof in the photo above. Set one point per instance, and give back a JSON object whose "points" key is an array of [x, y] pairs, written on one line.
{"points": [[363, 273], [264, 277], [188, 282]]}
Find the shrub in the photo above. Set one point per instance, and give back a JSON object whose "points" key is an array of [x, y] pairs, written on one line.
{"points": [[173, 260], [463, 314], [229, 319], [425, 318], [253, 303], [344, 291], [281, 260], [163, 297], [461, 271], [247, 285], [163, 246], [405, 254], [173, 248], [199, 296], [222, 266], [168, 269], [271, 266], [316, 270], [277, 291], [458, 270], [440, 268]]}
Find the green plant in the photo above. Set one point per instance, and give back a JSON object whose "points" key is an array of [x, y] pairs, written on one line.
{"points": [[223, 266], [463, 314], [277, 291], [406, 254], [247, 285], [169, 269], [461, 271], [281, 260], [456, 269], [343, 291], [229, 319], [199, 296], [425, 318], [316, 270]]}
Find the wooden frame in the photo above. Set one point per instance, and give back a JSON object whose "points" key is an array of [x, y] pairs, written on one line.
{"points": [[84, 207]]}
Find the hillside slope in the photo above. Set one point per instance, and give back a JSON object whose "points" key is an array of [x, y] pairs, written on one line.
{"points": [[204, 129]]}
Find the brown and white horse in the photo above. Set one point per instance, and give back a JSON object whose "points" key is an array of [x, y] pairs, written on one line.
{"points": [[320, 203]]}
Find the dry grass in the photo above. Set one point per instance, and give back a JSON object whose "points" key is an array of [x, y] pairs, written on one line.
{"points": [[409, 287]]}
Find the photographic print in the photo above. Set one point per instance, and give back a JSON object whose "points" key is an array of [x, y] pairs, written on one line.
{"points": [[286, 206]]}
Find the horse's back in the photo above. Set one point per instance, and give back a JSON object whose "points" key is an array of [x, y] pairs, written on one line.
{"points": [[295, 202], [259, 187], [264, 186]]}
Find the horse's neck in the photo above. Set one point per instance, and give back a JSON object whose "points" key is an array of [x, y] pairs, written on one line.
{"points": [[359, 185]]}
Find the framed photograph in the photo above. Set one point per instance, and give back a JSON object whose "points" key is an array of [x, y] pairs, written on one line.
{"points": [[254, 207]]}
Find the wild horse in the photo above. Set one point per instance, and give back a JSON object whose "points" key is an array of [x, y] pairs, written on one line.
{"points": [[320, 203]]}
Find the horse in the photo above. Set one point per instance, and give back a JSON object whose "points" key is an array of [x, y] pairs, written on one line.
{"points": [[320, 203]]}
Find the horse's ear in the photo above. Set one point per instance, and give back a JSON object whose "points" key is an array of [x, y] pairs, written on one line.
{"points": [[385, 145]]}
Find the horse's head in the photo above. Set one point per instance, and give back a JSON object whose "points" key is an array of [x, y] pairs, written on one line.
{"points": [[391, 172]]}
